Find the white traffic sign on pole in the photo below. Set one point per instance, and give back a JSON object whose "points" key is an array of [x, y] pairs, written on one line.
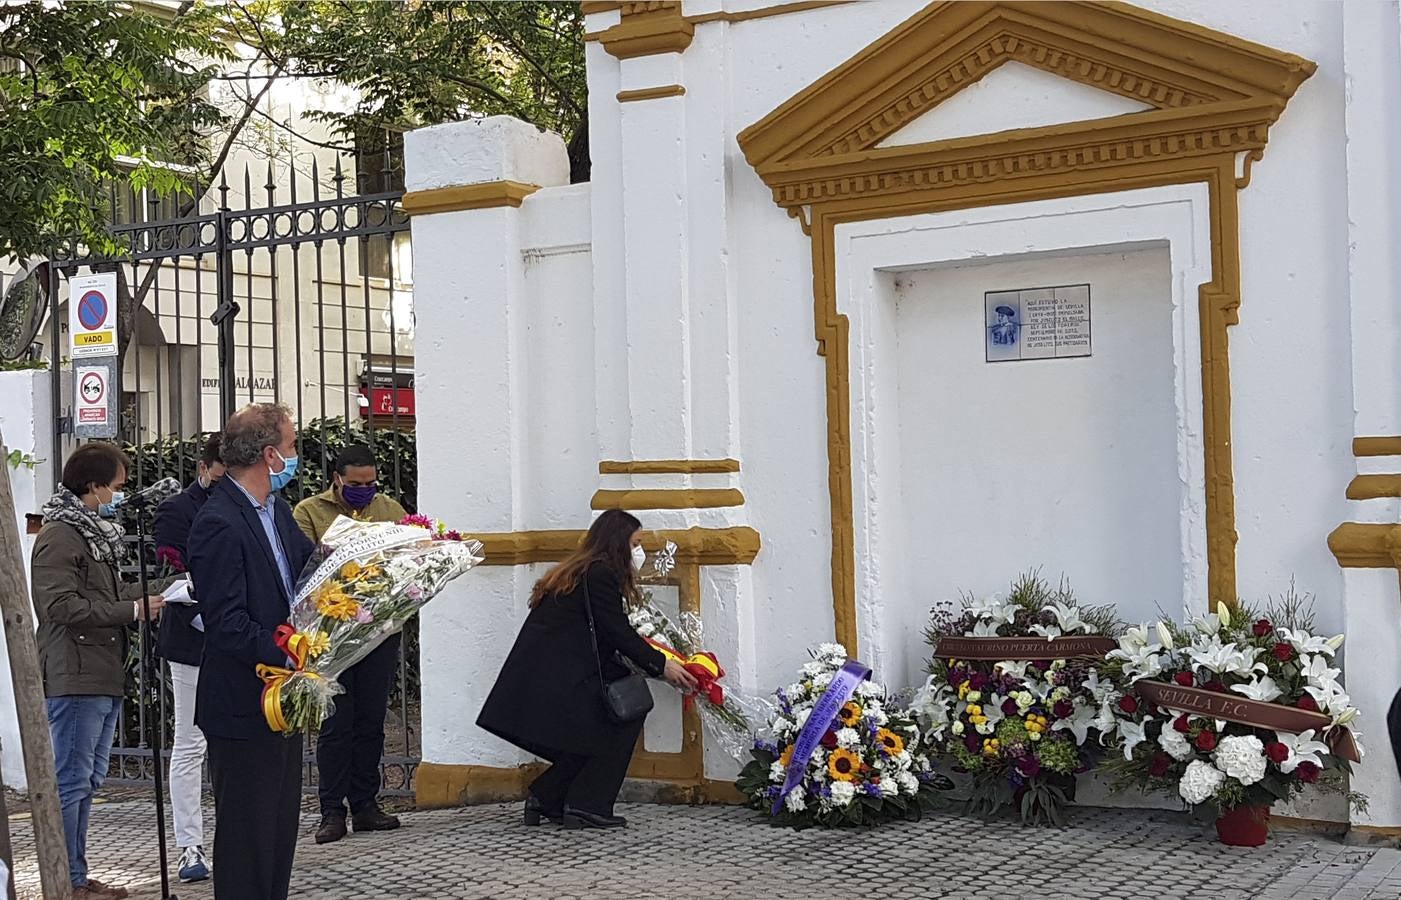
{"points": [[92, 315], [94, 398]]}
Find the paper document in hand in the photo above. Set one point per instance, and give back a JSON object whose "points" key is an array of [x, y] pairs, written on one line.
{"points": [[178, 592]]}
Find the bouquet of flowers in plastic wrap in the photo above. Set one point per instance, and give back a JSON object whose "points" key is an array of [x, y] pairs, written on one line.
{"points": [[840, 753], [725, 713], [1015, 701], [363, 583], [1232, 713]]}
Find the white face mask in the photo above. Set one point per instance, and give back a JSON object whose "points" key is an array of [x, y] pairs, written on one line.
{"points": [[639, 556]]}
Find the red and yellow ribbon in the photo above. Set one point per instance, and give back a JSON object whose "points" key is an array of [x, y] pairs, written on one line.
{"points": [[295, 645], [704, 668]]}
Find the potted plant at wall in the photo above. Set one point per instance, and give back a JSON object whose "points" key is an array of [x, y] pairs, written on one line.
{"points": [[1233, 713], [1015, 703]]}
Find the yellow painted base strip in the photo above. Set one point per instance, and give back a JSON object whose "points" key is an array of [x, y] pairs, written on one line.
{"points": [[696, 546], [1376, 446], [652, 93], [699, 498], [669, 467], [1374, 487], [487, 195]]}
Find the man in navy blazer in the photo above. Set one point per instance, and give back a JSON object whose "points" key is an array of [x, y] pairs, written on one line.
{"points": [[245, 555]]}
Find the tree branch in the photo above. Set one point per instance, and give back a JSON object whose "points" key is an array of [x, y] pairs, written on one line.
{"points": [[535, 64]]}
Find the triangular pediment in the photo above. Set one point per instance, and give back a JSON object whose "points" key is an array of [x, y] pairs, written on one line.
{"points": [[1010, 97], [1180, 79]]}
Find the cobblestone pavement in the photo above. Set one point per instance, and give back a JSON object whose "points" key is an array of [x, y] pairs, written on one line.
{"points": [[484, 852]]}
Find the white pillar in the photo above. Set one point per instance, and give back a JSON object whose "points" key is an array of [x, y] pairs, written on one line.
{"points": [[1372, 60], [470, 366]]}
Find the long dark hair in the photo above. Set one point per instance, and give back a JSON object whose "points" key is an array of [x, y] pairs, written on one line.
{"points": [[609, 541]]}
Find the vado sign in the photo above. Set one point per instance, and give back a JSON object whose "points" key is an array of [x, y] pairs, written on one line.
{"points": [[92, 315]]}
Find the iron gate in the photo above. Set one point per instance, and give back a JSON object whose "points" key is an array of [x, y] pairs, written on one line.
{"points": [[295, 291]]}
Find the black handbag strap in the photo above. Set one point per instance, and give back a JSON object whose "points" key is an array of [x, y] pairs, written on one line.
{"points": [[593, 634]]}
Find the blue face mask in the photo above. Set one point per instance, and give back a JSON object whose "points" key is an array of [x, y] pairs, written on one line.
{"points": [[108, 510], [280, 480]]}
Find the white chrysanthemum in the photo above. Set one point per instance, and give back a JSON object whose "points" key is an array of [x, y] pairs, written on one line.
{"points": [[869, 689], [811, 669], [957, 727], [876, 716], [1175, 744], [1200, 782], [794, 801], [821, 680], [908, 783], [1242, 757], [889, 787], [781, 727], [848, 738], [777, 772], [800, 716], [834, 653], [843, 792]]}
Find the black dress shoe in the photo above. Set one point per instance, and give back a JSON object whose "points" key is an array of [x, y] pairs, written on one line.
{"points": [[535, 811], [373, 819], [578, 818], [332, 829]]}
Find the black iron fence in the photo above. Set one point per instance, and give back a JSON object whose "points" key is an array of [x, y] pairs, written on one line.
{"points": [[291, 291]]}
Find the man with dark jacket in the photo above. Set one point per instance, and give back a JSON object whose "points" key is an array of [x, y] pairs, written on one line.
{"points": [[245, 553], [351, 741], [181, 642]]}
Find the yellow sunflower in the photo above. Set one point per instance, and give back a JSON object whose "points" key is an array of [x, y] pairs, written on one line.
{"points": [[843, 765], [336, 604], [892, 742], [317, 643], [350, 570], [850, 714], [786, 756]]}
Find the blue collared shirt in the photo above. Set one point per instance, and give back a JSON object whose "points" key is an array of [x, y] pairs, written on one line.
{"points": [[269, 520]]}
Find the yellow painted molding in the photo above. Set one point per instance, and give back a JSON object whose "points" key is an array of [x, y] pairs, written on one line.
{"points": [[648, 28], [1213, 96], [600, 6], [1374, 487], [747, 15], [486, 195], [669, 467], [652, 93], [734, 546], [1366, 545], [1376, 446], [438, 786], [669, 498]]}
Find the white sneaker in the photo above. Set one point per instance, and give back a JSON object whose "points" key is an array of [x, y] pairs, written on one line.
{"points": [[193, 865]]}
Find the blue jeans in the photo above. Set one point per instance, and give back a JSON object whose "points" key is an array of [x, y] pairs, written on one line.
{"points": [[82, 729]]}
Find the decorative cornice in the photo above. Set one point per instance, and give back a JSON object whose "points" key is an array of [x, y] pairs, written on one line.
{"points": [[669, 498], [652, 93], [734, 546], [467, 196], [648, 28], [1376, 446], [1366, 545], [1374, 487], [746, 15], [669, 467]]}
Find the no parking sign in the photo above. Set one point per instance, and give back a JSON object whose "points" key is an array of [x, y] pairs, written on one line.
{"points": [[92, 315]]}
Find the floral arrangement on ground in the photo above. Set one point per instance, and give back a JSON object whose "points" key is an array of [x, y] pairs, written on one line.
{"points": [[1235, 711], [840, 754], [1016, 702]]}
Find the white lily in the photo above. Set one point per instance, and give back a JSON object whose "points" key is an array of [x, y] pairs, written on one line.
{"points": [[1335, 641], [1106, 722], [1346, 716], [1316, 669], [1262, 688], [1078, 724], [1223, 612], [1144, 662], [992, 709], [1134, 637], [1226, 658], [1302, 748], [1330, 697], [1069, 618], [1209, 624], [1306, 643], [985, 628], [1100, 690], [1165, 636], [1012, 668], [994, 609], [1132, 733], [1049, 632]]}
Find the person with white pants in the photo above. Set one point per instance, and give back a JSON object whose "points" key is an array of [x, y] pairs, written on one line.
{"points": [[181, 643]]}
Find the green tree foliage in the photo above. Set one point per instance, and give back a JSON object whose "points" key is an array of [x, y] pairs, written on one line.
{"points": [[91, 94]]}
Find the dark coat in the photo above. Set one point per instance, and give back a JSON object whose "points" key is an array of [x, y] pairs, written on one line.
{"points": [[548, 699], [179, 640], [83, 610], [243, 601]]}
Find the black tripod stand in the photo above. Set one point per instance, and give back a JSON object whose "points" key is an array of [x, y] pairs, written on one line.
{"points": [[151, 665]]}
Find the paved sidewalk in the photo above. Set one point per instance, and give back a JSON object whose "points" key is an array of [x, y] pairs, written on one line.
{"points": [[484, 852]]}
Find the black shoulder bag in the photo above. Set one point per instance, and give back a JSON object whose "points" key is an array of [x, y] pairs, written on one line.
{"points": [[628, 698]]}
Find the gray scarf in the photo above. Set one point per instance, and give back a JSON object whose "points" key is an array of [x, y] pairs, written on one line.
{"points": [[105, 539]]}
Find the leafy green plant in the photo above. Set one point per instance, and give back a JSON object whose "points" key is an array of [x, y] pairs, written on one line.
{"points": [[19, 458]]}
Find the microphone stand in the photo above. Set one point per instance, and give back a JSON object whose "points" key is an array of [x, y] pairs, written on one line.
{"points": [[150, 662]]}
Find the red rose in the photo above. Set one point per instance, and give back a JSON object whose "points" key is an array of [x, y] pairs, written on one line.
{"points": [[1206, 741], [1306, 702], [874, 779], [1128, 704], [1159, 765], [1185, 679], [1262, 628], [1277, 752], [1215, 685], [1009, 707], [1283, 652], [829, 740], [1307, 772], [1181, 724]]}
